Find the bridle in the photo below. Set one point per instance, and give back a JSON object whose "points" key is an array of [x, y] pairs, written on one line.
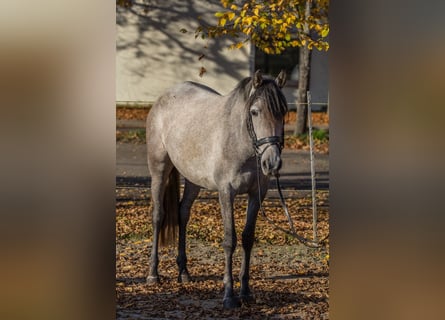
{"points": [[279, 142], [257, 143]]}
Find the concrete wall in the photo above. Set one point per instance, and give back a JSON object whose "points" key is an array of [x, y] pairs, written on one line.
{"points": [[152, 53]]}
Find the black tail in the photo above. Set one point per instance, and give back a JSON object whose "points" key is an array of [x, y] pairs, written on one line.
{"points": [[170, 221]]}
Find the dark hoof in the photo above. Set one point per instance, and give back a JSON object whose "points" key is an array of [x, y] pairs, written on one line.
{"points": [[184, 278], [247, 299], [153, 280], [231, 303]]}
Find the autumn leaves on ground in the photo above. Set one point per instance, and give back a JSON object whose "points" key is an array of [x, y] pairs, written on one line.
{"points": [[289, 280]]}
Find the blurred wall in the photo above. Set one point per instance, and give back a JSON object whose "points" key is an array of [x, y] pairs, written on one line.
{"points": [[152, 53]]}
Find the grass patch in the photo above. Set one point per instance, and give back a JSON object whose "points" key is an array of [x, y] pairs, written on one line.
{"points": [[133, 136], [317, 134], [134, 236]]}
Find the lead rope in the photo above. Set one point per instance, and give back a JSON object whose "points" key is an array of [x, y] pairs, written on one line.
{"points": [[307, 242]]}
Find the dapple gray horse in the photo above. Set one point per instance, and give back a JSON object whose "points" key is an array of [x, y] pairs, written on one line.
{"points": [[215, 142]]}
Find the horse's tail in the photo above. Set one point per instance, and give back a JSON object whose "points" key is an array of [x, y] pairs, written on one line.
{"points": [[170, 221]]}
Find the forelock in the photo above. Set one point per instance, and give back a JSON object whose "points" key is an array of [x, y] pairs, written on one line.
{"points": [[272, 97]]}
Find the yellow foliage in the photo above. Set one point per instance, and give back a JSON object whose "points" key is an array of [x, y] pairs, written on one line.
{"points": [[247, 21], [274, 25], [325, 31], [237, 20]]}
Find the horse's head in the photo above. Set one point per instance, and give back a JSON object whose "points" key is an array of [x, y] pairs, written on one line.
{"points": [[265, 120]]}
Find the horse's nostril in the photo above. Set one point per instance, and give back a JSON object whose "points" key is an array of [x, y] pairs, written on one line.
{"points": [[265, 164], [276, 168]]}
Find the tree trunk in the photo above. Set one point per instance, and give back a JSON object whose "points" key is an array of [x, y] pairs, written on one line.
{"points": [[303, 86], [303, 80]]}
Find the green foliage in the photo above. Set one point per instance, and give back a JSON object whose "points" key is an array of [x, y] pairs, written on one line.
{"points": [[320, 134], [317, 134], [272, 25]]}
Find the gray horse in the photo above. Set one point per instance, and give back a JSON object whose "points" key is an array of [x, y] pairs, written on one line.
{"points": [[215, 142]]}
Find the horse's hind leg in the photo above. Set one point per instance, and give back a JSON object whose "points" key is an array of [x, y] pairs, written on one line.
{"points": [[160, 167], [191, 191]]}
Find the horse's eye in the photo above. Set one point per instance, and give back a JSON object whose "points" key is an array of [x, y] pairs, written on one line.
{"points": [[254, 112]]}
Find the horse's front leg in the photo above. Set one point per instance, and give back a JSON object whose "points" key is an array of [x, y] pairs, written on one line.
{"points": [[226, 199], [248, 238]]}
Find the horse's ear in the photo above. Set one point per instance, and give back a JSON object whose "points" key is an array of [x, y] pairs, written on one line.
{"points": [[257, 79], [281, 79]]}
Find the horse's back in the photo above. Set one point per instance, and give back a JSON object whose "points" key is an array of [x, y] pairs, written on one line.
{"points": [[183, 100], [183, 94]]}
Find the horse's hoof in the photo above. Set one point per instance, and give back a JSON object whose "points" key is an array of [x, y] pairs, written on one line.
{"points": [[184, 278], [247, 299], [153, 279], [231, 303]]}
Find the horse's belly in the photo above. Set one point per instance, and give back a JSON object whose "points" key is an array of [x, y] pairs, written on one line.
{"points": [[214, 176], [205, 165], [200, 178], [197, 172]]}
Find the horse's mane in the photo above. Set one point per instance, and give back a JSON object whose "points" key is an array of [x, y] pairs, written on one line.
{"points": [[267, 91]]}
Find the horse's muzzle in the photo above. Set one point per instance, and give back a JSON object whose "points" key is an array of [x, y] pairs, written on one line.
{"points": [[271, 161]]}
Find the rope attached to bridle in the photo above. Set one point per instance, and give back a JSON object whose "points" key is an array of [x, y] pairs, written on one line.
{"points": [[278, 141], [307, 242]]}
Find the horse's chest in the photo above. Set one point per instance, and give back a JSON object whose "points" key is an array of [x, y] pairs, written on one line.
{"points": [[239, 181], [243, 182]]}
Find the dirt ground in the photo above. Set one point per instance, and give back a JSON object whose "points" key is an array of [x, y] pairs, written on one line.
{"points": [[288, 280]]}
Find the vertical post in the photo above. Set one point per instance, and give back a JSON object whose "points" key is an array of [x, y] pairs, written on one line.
{"points": [[311, 148]]}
